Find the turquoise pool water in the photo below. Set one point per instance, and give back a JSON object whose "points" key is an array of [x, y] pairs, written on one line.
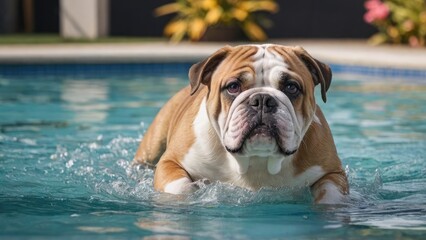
{"points": [[67, 141]]}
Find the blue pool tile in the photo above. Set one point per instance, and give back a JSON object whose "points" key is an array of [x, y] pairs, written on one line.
{"points": [[99, 70], [92, 69], [380, 72]]}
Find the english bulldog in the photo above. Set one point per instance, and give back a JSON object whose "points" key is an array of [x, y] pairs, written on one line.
{"points": [[248, 118]]}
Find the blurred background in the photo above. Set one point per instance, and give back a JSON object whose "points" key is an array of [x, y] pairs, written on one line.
{"points": [[294, 19], [380, 21]]}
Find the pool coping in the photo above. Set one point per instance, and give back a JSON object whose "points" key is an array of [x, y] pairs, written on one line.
{"points": [[355, 53]]}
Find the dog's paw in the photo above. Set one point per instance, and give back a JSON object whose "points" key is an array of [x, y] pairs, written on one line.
{"points": [[181, 186], [329, 193]]}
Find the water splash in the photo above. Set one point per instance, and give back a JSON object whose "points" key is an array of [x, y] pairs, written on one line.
{"points": [[106, 170]]}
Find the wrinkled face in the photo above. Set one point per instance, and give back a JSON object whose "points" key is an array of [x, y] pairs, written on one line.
{"points": [[261, 100]]}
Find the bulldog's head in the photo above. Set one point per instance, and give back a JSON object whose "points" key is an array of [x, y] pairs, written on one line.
{"points": [[260, 98]]}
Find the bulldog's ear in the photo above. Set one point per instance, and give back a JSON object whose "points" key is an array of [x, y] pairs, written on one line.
{"points": [[202, 72], [321, 72]]}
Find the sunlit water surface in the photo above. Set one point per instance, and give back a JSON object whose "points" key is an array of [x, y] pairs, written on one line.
{"points": [[67, 142]]}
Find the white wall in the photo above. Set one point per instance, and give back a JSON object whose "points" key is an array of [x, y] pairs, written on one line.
{"points": [[84, 18]]}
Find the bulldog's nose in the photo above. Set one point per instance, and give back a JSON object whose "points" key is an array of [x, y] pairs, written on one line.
{"points": [[263, 102]]}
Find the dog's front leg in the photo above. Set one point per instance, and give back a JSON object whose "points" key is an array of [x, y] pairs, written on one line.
{"points": [[170, 177], [330, 189]]}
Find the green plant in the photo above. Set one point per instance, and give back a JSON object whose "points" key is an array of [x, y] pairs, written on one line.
{"points": [[398, 21], [194, 17]]}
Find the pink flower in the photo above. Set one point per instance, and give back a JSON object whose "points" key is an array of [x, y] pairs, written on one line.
{"points": [[376, 10], [413, 41]]}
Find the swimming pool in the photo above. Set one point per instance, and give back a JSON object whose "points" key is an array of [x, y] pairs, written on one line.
{"points": [[68, 135]]}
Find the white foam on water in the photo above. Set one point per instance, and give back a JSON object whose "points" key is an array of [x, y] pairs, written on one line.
{"points": [[106, 169]]}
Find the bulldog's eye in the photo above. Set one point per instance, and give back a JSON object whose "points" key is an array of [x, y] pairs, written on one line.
{"points": [[292, 89], [233, 88]]}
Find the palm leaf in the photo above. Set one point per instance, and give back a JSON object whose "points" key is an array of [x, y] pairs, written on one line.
{"points": [[167, 9], [196, 29], [254, 31]]}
